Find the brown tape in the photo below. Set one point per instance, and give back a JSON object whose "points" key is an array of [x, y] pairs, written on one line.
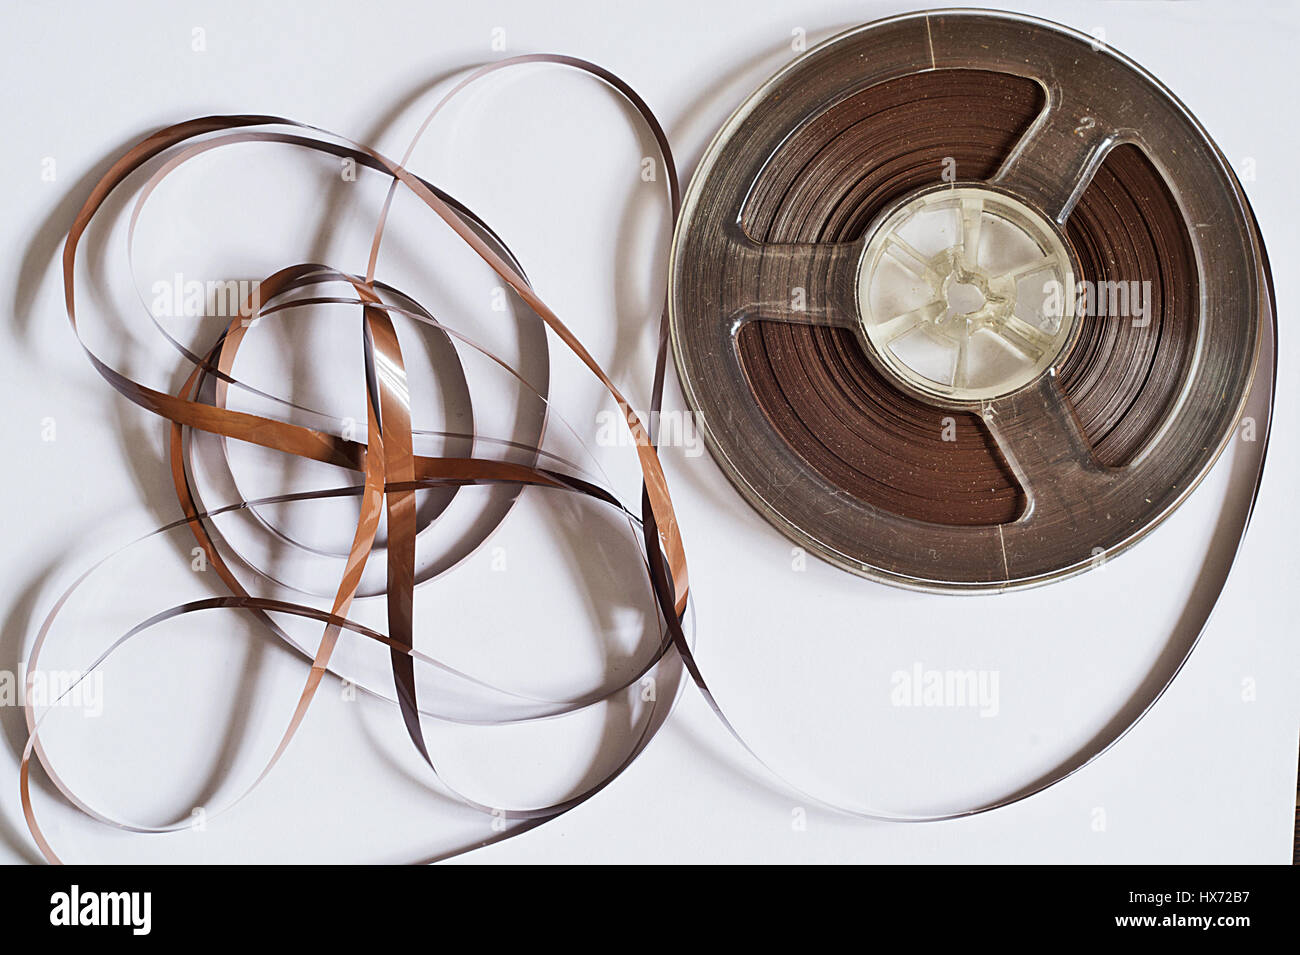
{"points": [[391, 471]]}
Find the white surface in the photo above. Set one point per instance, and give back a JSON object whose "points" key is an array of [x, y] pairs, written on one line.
{"points": [[802, 660]]}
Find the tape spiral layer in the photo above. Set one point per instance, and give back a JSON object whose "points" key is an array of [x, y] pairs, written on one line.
{"points": [[836, 176]]}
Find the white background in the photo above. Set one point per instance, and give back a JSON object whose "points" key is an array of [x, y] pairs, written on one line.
{"points": [[802, 660]]}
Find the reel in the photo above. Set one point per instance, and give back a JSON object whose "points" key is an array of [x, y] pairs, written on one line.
{"points": [[966, 302]]}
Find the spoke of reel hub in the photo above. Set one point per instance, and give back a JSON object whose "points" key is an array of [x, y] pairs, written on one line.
{"points": [[1023, 337], [901, 252], [1057, 158], [895, 328], [972, 216], [812, 283], [1029, 268], [959, 367]]}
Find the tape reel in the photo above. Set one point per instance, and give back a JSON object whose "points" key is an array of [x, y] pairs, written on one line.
{"points": [[965, 302]]}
